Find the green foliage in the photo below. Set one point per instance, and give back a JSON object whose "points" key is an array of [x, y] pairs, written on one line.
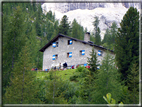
{"points": [[77, 30], [53, 93], [23, 81], [92, 62], [109, 37], [133, 84], [127, 45], [110, 100], [13, 32], [107, 81], [97, 31], [64, 26]]}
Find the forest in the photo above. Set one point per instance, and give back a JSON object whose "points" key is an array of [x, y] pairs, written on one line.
{"points": [[25, 30]]}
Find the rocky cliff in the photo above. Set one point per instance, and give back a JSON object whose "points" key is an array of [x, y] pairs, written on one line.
{"points": [[84, 13]]}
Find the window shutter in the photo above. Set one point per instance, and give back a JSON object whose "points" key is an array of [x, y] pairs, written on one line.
{"points": [[53, 57], [70, 54], [70, 42], [99, 53], [98, 67], [83, 52], [85, 65], [54, 44]]}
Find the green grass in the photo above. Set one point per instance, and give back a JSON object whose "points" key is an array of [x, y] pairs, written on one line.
{"points": [[64, 75]]}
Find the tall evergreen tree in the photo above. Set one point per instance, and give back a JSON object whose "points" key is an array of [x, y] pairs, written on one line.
{"points": [[14, 33], [133, 84], [23, 88], [77, 30], [107, 81], [97, 31], [127, 45], [64, 26], [88, 85], [92, 62]]}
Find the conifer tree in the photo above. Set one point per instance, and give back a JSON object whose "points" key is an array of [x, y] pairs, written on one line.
{"points": [[64, 26], [23, 88], [92, 62], [88, 85], [97, 31], [77, 30], [13, 32], [52, 90], [127, 45], [107, 81], [133, 84]]}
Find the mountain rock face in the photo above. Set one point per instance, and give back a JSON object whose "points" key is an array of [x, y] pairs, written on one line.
{"points": [[84, 13]]}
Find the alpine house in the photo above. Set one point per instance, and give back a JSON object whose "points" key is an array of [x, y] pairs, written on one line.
{"points": [[63, 49]]}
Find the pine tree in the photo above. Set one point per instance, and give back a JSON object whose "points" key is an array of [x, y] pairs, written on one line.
{"points": [[92, 62], [13, 32], [127, 45], [53, 96], [97, 31], [107, 81], [113, 35], [64, 26], [77, 30], [23, 88], [88, 85], [133, 84]]}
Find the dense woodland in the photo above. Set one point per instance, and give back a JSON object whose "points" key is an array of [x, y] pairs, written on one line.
{"points": [[26, 30]]}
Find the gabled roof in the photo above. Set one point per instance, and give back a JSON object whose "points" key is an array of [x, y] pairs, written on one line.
{"points": [[61, 35]]}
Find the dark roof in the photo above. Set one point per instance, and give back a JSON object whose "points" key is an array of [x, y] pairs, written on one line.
{"points": [[61, 35]]}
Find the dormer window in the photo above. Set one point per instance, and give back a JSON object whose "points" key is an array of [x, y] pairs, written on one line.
{"points": [[55, 44], [70, 42]]}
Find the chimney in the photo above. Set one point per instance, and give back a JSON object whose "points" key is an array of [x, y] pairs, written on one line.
{"points": [[87, 37]]}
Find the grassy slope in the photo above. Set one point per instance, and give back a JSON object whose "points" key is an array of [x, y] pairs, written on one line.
{"points": [[64, 75]]}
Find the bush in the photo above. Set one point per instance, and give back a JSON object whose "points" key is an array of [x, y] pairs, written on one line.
{"points": [[80, 69], [73, 78]]}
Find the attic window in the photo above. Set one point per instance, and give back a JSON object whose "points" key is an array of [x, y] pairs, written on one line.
{"points": [[69, 54], [82, 52], [54, 57], [55, 44], [70, 42]]}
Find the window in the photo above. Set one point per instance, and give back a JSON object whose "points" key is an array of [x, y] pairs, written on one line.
{"points": [[54, 57], [82, 52], [99, 53], [69, 54], [70, 42], [55, 44]]}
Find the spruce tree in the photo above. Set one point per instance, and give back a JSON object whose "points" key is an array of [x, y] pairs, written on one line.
{"points": [[92, 62], [133, 84], [97, 31], [53, 86], [88, 85], [77, 30], [107, 81], [23, 88], [64, 26], [13, 32], [127, 45]]}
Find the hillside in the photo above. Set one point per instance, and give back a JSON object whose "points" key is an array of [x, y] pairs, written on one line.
{"points": [[64, 75]]}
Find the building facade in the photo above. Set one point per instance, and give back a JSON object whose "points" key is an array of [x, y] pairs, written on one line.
{"points": [[63, 49]]}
